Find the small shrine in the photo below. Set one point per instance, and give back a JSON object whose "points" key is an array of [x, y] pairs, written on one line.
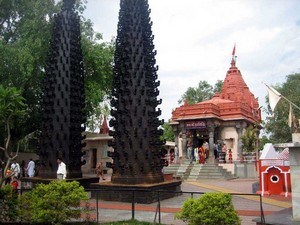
{"points": [[274, 172], [223, 118], [96, 149]]}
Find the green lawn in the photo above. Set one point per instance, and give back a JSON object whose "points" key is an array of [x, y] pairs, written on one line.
{"points": [[128, 222]]}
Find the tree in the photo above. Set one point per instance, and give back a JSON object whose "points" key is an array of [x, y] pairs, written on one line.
{"points": [[250, 138], [276, 124], [168, 134], [12, 109], [218, 86], [203, 92], [24, 40]]}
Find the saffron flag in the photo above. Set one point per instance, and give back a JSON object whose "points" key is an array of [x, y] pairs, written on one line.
{"points": [[290, 121], [274, 97], [233, 51]]}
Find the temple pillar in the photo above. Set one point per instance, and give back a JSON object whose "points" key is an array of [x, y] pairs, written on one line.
{"points": [[184, 141], [211, 134], [239, 130]]}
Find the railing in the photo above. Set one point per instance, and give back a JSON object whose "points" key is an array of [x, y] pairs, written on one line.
{"points": [[161, 210], [168, 207]]}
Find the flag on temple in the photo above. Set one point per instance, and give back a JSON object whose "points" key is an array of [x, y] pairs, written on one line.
{"points": [[233, 51], [274, 97], [290, 121]]}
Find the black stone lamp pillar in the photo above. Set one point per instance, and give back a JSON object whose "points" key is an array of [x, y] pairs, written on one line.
{"points": [[137, 156], [63, 97]]}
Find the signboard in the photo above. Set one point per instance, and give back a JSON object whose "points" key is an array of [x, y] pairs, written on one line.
{"points": [[195, 124]]}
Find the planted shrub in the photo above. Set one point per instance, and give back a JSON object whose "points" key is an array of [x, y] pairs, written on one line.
{"points": [[8, 204], [53, 203], [209, 209]]}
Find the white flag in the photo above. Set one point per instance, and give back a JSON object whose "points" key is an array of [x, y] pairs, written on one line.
{"points": [[274, 97], [290, 122]]}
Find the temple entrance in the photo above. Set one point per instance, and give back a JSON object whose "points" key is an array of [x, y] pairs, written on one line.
{"points": [[196, 137]]}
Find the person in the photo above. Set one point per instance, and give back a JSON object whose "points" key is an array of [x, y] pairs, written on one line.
{"points": [[201, 155], [99, 171], [224, 150], [15, 183], [61, 170], [196, 154], [192, 157], [206, 148], [30, 168], [15, 169], [216, 150], [229, 156], [8, 176]]}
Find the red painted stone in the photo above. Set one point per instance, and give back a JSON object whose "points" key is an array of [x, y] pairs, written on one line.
{"points": [[234, 102]]}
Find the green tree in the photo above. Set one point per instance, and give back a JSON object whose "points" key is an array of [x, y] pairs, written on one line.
{"points": [[25, 28], [203, 92], [250, 138], [218, 86], [12, 110], [276, 123], [168, 133]]}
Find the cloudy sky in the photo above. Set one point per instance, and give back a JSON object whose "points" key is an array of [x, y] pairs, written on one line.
{"points": [[194, 41]]}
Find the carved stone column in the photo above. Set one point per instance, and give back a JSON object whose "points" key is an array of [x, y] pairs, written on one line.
{"points": [[211, 133], [184, 141], [239, 129]]}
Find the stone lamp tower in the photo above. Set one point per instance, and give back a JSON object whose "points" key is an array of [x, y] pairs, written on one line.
{"points": [[63, 97], [137, 156]]}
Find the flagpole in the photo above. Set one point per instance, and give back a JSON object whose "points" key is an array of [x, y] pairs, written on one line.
{"points": [[291, 102]]}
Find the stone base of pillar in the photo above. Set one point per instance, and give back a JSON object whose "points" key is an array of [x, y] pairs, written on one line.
{"points": [[212, 160]]}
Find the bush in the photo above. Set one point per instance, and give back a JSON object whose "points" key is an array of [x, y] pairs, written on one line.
{"points": [[209, 209], [8, 204], [53, 203]]}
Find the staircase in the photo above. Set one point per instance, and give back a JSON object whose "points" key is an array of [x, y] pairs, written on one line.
{"points": [[194, 172]]}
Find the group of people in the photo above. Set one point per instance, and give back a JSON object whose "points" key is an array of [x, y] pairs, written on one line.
{"points": [[16, 171], [199, 154], [221, 153]]}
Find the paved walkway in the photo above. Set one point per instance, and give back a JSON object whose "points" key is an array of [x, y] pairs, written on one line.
{"points": [[247, 206]]}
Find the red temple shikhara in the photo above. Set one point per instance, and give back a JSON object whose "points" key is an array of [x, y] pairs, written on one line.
{"points": [[223, 118]]}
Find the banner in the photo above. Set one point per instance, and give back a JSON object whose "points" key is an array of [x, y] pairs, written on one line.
{"points": [[274, 97]]}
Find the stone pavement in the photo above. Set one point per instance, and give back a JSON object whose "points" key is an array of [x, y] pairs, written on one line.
{"points": [[247, 206]]}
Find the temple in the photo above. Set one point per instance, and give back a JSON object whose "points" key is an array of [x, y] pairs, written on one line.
{"points": [[223, 118]]}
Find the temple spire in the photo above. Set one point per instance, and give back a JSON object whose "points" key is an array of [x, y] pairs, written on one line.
{"points": [[233, 59]]}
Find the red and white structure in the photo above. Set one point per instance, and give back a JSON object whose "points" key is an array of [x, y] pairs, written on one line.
{"points": [[274, 172]]}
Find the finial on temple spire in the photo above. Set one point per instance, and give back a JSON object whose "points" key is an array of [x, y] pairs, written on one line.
{"points": [[68, 4], [233, 60]]}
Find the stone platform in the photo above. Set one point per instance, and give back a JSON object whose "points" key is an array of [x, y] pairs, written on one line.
{"points": [[139, 193]]}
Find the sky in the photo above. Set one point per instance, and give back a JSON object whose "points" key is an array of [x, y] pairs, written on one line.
{"points": [[194, 40]]}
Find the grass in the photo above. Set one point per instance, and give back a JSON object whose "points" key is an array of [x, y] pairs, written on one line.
{"points": [[128, 222]]}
